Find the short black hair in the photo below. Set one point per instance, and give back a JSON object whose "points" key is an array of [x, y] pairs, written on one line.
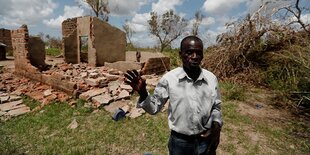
{"points": [[188, 38]]}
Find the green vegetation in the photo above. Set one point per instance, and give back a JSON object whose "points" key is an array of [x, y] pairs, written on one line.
{"points": [[46, 132], [53, 51]]}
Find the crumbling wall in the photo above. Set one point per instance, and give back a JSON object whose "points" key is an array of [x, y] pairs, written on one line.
{"points": [[156, 65], [37, 52], [69, 34], [105, 42], [109, 42], [70, 48], [23, 66], [68, 26], [5, 37]]}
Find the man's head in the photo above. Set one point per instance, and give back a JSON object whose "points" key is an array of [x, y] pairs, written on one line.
{"points": [[191, 52]]}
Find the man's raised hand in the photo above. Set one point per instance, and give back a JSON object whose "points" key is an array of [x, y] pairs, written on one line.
{"points": [[138, 84]]}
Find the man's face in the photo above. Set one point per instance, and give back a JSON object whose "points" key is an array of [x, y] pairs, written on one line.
{"points": [[192, 54]]}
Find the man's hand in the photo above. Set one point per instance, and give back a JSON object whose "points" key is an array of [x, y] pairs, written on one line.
{"points": [[136, 82], [214, 138]]}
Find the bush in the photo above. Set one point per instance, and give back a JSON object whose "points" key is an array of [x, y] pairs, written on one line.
{"points": [[53, 51], [232, 91]]}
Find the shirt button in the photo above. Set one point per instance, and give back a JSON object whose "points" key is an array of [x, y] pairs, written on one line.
{"points": [[198, 111]]}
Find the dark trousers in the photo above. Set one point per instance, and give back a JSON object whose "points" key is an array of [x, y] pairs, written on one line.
{"points": [[180, 144]]}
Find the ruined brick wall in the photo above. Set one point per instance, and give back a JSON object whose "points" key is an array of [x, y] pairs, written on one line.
{"points": [[20, 38], [68, 26], [69, 42], [23, 66], [156, 65], [5, 37]]}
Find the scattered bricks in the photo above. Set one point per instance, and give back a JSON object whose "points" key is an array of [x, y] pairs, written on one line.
{"points": [[103, 99], [62, 97], [19, 111], [123, 95], [35, 95], [91, 93]]}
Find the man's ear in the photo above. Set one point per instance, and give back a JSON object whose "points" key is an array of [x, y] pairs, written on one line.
{"points": [[180, 54]]}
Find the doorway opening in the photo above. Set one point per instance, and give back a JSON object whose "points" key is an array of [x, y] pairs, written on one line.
{"points": [[84, 49]]}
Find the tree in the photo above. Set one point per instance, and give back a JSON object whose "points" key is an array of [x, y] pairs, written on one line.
{"points": [[293, 12], [166, 27], [198, 19], [100, 8], [129, 31]]}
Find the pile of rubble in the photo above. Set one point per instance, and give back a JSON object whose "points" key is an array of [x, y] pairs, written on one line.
{"points": [[101, 87]]}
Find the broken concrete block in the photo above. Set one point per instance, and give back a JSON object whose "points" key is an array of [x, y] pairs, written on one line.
{"points": [[92, 82], [91, 93], [4, 99], [84, 74], [115, 105], [19, 111], [47, 92], [124, 94], [136, 112], [103, 99], [2, 113], [126, 87], [111, 77], [113, 86], [73, 124], [93, 75], [14, 98], [10, 105]]}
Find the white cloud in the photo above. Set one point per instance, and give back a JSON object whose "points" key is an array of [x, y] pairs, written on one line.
{"points": [[163, 6], [69, 12], [220, 7], [14, 13], [139, 22]]}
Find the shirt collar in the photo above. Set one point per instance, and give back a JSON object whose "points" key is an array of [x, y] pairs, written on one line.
{"points": [[183, 75]]}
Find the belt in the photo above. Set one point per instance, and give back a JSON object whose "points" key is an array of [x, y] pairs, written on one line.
{"points": [[186, 137]]}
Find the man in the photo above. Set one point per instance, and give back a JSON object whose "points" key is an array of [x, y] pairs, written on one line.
{"points": [[194, 112]]}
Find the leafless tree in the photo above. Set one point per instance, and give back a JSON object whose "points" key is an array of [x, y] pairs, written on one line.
{"points": [[198, 19], [128, 30], [100, 8], [294, 12], [166, 27]]}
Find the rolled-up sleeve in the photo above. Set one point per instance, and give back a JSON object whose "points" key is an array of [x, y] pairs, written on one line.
{"points": [[153, 103]]}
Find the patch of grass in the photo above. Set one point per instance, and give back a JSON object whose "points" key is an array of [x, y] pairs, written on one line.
{"points": [[232, 91], [53, 51], [46, 132], [175, 60]]}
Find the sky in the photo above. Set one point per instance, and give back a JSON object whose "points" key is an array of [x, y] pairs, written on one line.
{"points": [[47, 15]]}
